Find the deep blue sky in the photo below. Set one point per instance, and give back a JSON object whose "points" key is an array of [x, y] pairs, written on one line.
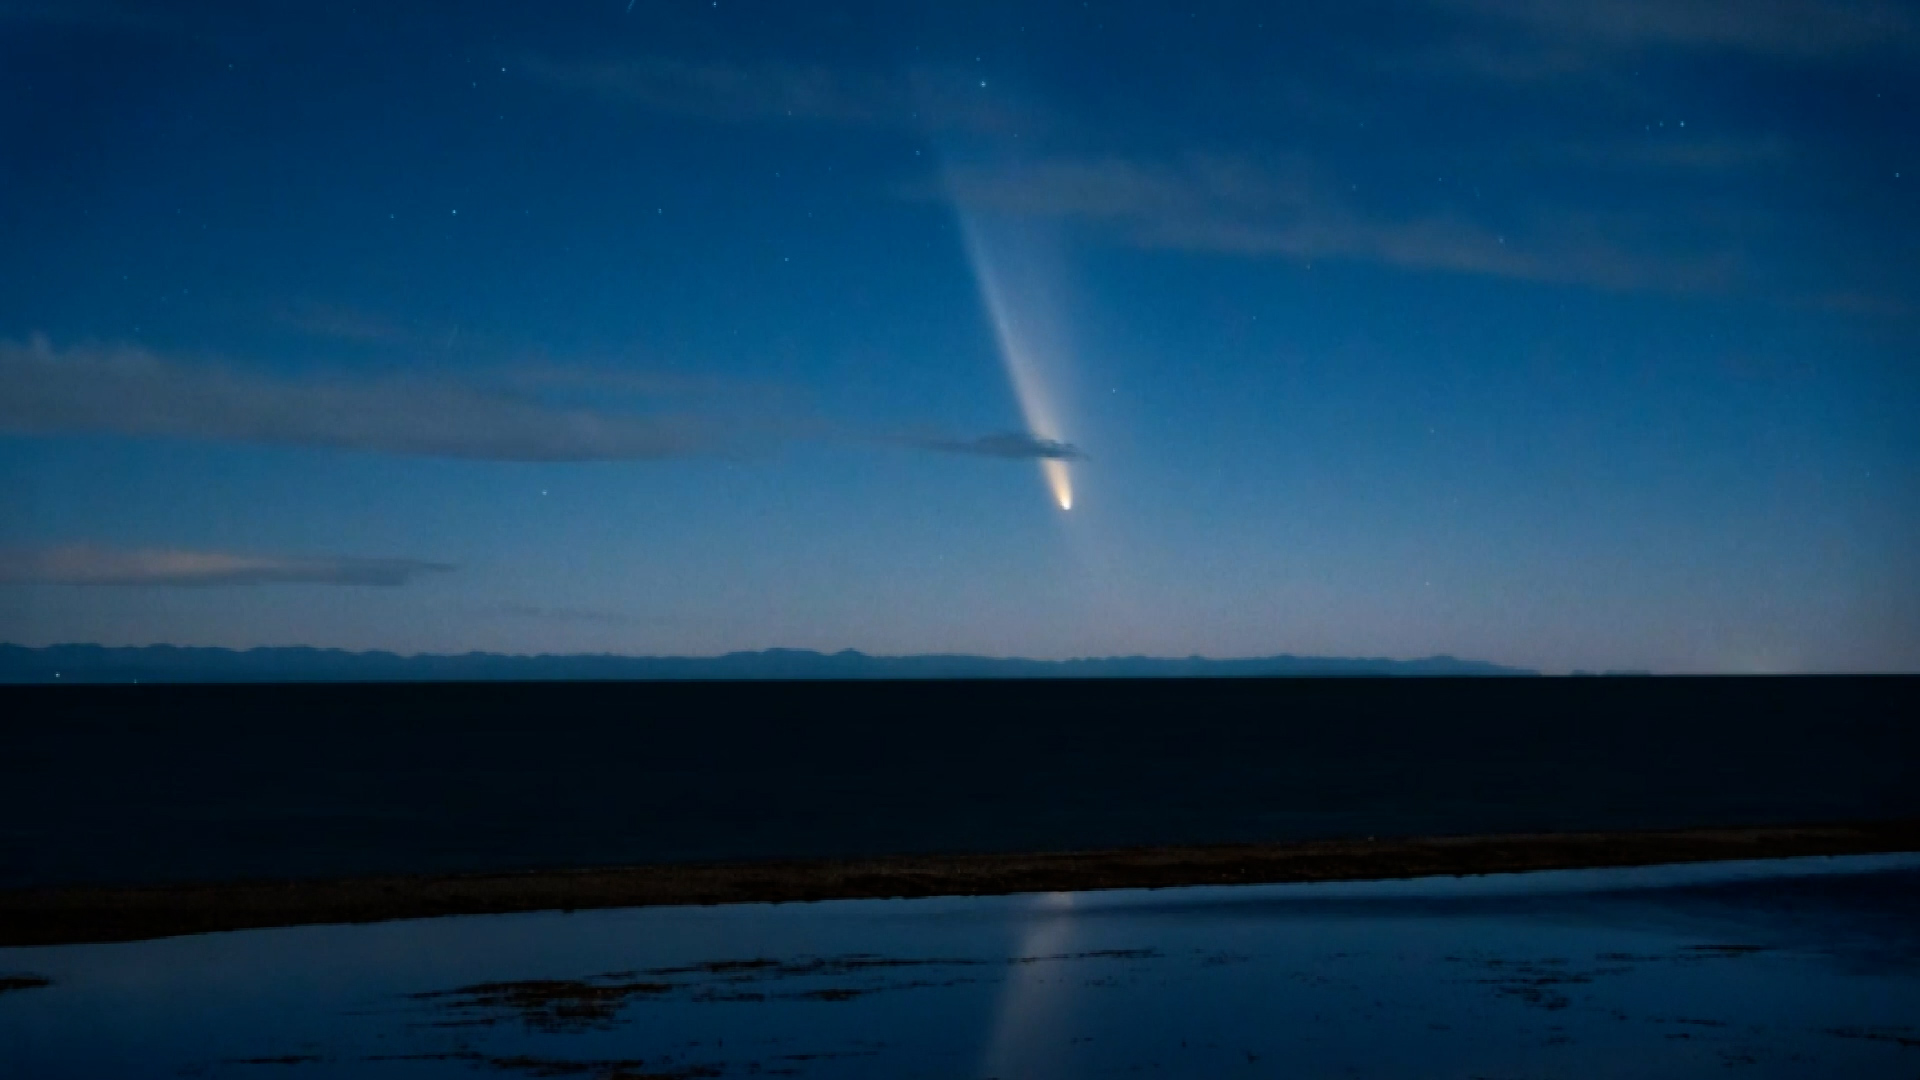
{"points": [[1570, 333]]}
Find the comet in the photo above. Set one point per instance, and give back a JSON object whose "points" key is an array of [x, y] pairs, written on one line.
{"points": [[1019, 355]]}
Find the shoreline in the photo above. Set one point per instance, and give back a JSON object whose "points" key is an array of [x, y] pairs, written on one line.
{"points": [[104, 914]]}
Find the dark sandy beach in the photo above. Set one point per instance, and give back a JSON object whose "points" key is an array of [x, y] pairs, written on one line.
{"points": [[60, 916]]}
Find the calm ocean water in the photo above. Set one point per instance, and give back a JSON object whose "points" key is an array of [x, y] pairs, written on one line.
{"points": [[144, 783], [1794, 968]]}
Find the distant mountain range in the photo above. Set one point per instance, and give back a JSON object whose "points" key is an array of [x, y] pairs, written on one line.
{"points": [[172, 664]]}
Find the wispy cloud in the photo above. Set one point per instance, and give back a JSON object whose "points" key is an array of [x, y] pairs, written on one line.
{"points": [[1243, 206], [774, 91], [1787, 29], [1009, 444], [126, 390], [1598, 48], [84, 564], [548, 415]]}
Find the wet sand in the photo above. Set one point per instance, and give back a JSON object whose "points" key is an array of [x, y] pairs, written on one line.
{"points": [[1771, 968], [77, 915]]}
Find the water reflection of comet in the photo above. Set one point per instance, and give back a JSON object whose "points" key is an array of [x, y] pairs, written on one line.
{"points": [[1017, 353], [1035, 1000]]}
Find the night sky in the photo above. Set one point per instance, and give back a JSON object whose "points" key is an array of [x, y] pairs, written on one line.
{"points": [[1560, 333]]}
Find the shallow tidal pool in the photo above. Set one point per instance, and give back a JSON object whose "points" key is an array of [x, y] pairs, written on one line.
{"points": [[1804, 967]]}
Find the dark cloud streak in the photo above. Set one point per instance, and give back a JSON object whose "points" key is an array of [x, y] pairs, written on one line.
{"points": [[1011, 444]]}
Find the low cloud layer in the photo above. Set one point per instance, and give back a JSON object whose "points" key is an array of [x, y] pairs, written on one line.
{"points": [[90, 565], [124, 390], [129, 391]]}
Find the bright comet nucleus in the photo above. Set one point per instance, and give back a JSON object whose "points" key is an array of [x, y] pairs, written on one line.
{"points": [[1019, 353], [1059, 482]]}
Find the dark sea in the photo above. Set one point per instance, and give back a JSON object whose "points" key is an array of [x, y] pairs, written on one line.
{"points": [[136, 784]]}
